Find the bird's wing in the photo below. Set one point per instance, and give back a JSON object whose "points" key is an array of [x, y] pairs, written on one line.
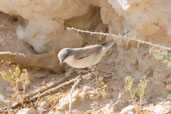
{"points": [[83, 52], [86, 51]]}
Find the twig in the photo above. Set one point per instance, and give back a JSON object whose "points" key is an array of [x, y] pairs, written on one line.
{"points": [[54, 84], [39, 91], [53, 90], [44, 91], [113, 35], [119, 99], [73, 87], [34, 60]]}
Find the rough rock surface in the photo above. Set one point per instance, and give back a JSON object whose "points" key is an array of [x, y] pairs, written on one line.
{"points": [[44, 22], [146, 19]]}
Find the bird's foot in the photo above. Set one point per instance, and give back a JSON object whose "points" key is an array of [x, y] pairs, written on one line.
{"points": [[98, 79]]}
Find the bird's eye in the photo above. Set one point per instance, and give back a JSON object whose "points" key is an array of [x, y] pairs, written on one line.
{"points": [[66, 55]]}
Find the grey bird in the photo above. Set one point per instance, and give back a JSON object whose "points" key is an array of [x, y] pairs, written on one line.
{"points": [[84, 57]]}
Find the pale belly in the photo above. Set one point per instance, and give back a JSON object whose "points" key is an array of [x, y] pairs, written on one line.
{"points": [[83, 63]]}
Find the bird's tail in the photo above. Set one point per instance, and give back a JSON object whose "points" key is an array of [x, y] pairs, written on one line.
{"points": [[107, 45]]}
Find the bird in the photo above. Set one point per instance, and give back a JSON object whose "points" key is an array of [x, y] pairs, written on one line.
{"points": [[84, 57]]}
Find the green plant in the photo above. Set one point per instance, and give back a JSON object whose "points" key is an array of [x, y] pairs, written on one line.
{"points": [[169, 87], [165, 57], [134, 91], [161, 55], [14, 78]]}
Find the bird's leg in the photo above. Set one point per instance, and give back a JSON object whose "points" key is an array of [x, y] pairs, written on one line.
{"points": [[83, 71], [95, 73], [92, 70]]}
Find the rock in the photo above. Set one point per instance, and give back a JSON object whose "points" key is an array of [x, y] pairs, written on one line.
{"points": [[43, 104], [64, 101], [27, 111], [44, 29], [161, 108], [2, 99], [140, 18], [9, 89], [127, 110]]}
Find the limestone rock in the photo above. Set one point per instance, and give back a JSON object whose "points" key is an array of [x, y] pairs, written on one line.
{"points": [[27, 111]]}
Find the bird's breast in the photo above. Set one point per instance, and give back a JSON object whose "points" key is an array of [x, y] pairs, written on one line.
{"points": [[84, 62]]}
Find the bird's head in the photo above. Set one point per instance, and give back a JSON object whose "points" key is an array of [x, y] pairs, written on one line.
{"points": [[63, 54]]}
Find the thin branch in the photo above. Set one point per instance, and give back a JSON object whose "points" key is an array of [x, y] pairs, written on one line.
{"points": [[34, 60], [52, 90], [113, 35], [73, 87]]}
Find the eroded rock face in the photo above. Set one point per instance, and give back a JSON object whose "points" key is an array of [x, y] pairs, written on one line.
{"points": [[147, 19], [45, 21], [45, 26]]}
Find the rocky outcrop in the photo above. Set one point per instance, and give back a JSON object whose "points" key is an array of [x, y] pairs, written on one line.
{"points": [[45, 20]]}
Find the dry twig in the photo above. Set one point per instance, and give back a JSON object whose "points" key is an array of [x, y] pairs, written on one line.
{"points": [[52, 90], [34, 60], [73, 87], [45, 91], [115, 36]]}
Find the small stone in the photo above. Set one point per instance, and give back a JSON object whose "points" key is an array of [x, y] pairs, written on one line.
{"points": [[127, 110], [9, 89], [43, 104], [2, 99], [27, 111]]}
